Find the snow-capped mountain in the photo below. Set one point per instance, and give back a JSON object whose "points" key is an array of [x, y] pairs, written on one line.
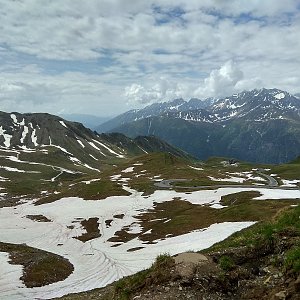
{"points": [[197, 115], [155, 109], [259, 125], [43, 136], [257, 105]]}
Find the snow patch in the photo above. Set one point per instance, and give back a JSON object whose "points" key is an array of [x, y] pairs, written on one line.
{"points": [[63, 124], [279, 96], [24, 133], [34, 138], [14, 118], [196, 168], [128, 170], [229, 179], [80, 143], [109, 149], [10, 169], [290, 183], [93, 157], [96, 263], [7, 137]]}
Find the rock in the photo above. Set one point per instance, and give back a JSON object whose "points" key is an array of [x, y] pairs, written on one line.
{"points": [[280, 295], [267, 280], [297, 285]]}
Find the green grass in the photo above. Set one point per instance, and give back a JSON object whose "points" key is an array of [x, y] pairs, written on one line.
{"points": [[292, 259], [288, 171], [226, 263], [158, 273], [288, 220]]}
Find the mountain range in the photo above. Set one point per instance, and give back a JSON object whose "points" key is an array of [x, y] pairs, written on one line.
{"points": [[258, 125], [55, 137]]}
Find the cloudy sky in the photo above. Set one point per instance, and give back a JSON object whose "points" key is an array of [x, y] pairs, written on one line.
{"points": [[104, 57]]}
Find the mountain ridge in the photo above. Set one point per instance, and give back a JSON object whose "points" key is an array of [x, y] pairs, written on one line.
{"points": [[44, 132], [259, 125]]}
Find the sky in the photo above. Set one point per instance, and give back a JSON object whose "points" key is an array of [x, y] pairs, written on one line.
{"points": [[104, 57]]}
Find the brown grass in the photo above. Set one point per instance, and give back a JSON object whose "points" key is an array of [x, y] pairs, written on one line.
{"points": [[178, 217], [40, 267], [92, 230], [38, 218]]}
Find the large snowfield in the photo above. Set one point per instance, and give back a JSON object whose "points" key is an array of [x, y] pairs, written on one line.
{"points": [[96, 262]]}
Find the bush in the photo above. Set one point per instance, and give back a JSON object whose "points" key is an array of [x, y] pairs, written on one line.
{"points": [[226, 263], [292, 259]]}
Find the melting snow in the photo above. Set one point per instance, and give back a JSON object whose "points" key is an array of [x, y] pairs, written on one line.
{"points": [[93, 157], [24, 133], [290, 183], [3, 179], [279, 96], [128, 170], [91, 168], [96, 263], [59, 147], [110, 150], [229, 179], [135, 228], [92, 180], [10, 169], [63, 124], [94, 146], [34, 138], [115, 177], [14, 118], [9, 276], [196, 168], [7, 137], [15, 159], [80, 143], [74, 159]]}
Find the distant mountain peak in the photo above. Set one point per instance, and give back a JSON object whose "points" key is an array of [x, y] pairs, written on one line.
{"points": [[155, 109], [258, 125]]}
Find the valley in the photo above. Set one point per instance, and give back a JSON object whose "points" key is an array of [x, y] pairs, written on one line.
{"points": [[98, 222], [149, 150]]}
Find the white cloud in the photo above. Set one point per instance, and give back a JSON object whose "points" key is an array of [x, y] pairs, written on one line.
{"points": [[81, 55], [162, 90], [28, 90], [221, 82]]}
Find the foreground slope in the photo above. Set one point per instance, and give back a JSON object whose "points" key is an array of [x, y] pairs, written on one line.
{"points": [[108, 237], [259, 263]]}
